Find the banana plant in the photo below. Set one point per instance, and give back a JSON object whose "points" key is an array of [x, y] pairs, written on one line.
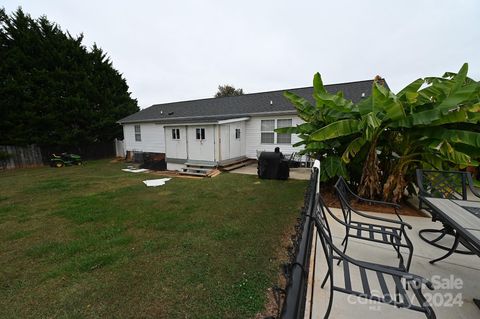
{"points": [[432, 122]]}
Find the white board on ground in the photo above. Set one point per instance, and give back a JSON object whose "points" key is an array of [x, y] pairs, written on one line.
{"points": [[156, 182], [132, 170]]}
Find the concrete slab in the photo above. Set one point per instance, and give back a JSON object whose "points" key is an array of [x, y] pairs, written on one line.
{"points": [[300, 173], [456, 278]]}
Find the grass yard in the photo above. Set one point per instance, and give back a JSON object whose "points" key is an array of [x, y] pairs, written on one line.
{"points": [[94, 242]]}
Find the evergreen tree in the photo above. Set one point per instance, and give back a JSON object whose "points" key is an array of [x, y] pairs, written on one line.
{"points": [[53, 90]]}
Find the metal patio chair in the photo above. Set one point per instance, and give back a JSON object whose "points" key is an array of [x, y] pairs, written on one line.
{"points": [[384, 276], [377, 229], [443, 184], [294, 160]]}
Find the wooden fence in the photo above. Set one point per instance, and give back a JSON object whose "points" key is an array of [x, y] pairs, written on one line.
{"points": [[22, 156], [34, 156]]}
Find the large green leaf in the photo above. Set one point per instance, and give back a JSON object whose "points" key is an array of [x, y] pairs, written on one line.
{"points": [[304, 108], [452, 155], [384, 100], [334, 101], [457, 97], [465, 114], [287, 130], [425, 117], [452, 136], [318, 84], [304, 128], [332, 167], [433, 160], [452, 117], [412, 88], [314, 147], [370, 123], [336, 129], [323, 97], [298, 144], [353, 148], [459, 78]]}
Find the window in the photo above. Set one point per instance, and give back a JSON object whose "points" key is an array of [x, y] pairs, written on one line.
{"points": [[267, 127], [175, 134], [268, 135], [138, 133], [237, 133], [200, 133], [284, 138]]}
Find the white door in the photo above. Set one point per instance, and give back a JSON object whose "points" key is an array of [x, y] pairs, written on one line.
{"points": [[176, 142], [224, 142], [201, 145], [237, 137]]}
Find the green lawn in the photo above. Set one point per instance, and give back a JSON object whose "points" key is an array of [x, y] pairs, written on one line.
{"points": [[94, 242]]}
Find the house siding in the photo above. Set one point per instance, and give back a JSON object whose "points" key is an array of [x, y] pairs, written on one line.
{"points": [[231, 147], [253, 135], [152, 135]]}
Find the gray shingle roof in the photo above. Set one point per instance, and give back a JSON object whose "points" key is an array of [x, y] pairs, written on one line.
{"points": [[214, 109]]}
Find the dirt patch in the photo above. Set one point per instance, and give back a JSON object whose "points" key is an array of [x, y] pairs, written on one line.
{"points": [[328, 194]]}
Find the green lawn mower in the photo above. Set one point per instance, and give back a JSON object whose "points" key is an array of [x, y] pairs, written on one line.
{"points": [[65, 159]]}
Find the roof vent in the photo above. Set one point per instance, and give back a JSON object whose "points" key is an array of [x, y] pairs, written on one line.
{"points": [[363, 94], [271, 102]]}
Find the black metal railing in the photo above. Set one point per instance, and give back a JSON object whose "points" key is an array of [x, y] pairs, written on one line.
{"points": [[297, 270]]}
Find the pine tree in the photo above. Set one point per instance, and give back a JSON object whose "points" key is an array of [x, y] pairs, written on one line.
{"points": [[53, 90]]}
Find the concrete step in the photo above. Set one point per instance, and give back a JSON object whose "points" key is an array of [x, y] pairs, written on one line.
{"points": [[200, 165]]}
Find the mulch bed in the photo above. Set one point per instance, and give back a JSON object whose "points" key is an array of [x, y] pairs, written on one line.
{"points": [[331, 200]]}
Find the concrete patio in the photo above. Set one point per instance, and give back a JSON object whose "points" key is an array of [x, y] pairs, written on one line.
{"points": [[456, 279], [300, 173]]}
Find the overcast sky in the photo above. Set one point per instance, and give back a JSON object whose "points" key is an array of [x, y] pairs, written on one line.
{"points": [[181, 50]]}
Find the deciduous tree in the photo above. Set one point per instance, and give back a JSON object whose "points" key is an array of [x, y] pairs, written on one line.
{"points": [[228, 90]]}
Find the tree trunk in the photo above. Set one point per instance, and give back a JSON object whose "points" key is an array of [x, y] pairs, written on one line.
{"points": [[394, 186], [370, 181]]}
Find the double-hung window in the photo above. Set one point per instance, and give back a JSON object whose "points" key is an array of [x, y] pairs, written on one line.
{"points": [[200, 133], [138, 133], [284, 138], [268, 135], [175, 134], [267, 131]]}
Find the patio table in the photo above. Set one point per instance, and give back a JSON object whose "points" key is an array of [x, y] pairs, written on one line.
{"points": [[464, 218]]}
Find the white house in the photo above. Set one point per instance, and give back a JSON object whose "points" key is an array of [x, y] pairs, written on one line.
{"points": [[218, 131]]}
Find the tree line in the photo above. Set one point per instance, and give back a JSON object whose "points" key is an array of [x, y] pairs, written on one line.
{"points": [[53, 90]]}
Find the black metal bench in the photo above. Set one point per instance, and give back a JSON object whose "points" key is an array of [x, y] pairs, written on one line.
{"points": [[443, 184], [379, 230], [369, 272]]}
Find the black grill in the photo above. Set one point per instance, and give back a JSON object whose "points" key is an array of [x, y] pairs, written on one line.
{"points": [[272, 165]]}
